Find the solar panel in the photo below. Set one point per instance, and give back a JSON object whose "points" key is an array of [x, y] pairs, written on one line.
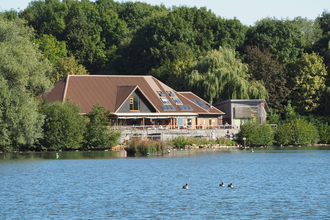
{"points": [[167, 107], [201, 104], [185, 107]]}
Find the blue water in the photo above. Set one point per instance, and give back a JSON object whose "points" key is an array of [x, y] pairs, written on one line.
{"points": [[287, 184]]}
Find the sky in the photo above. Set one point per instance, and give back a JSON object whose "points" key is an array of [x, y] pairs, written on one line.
{"points": [[247, 11]]}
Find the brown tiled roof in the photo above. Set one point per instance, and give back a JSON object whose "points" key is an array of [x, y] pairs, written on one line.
{"points": [[111, 91], [192, 96]]}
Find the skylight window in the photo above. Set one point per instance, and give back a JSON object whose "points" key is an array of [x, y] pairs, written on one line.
{"points": [[160, 93], [176, 101], [165, 100], [170, 93]]}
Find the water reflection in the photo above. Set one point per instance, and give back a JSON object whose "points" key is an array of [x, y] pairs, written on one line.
{"points": [[122, 154]]}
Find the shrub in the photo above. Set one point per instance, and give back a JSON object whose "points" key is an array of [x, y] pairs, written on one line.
{"points": [[180, 142], [145, 146], [256, 134]]}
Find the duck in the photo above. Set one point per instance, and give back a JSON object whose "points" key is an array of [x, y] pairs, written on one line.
{"points": [[231, 185], [185, 186], [222, 184]]}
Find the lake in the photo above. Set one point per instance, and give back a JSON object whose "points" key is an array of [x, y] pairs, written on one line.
{"points": [[268, 184]]}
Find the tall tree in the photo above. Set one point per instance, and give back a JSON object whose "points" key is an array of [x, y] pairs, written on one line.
{"points": [[23, 73], [309, 83], [264, 67], [220, 75], [310, 29], [154, 44], [281, 37], [51, 47]]}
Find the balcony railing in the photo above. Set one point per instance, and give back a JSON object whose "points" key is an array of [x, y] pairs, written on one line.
{"points": [[172, 127]]}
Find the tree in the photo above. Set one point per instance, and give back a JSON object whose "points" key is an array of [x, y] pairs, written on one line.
{"points": [[23, 74], [324, 21], [264, 67], [66, 66], [281, 37], [51, 47], [160, 39], [256, 134], [98, 134], [324, 133], [310, 29], [219, 75], [64, 127], [309, 82]]}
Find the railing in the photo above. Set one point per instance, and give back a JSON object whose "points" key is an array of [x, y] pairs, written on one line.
{"points": [[173, 127]]}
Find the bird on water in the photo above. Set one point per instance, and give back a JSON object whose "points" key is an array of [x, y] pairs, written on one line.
{"points": [[185, 186]]}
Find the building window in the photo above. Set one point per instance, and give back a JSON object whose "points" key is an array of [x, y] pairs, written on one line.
{"points": [[134, 103], [165, 100], [160, 93], [170, 93], [176, 101]]}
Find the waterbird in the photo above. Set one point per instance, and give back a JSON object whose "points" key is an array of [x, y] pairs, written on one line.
{"points": [[185, 186], [222, 184], [231, 185]]}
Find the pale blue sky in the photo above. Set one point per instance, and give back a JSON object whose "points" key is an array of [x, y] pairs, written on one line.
{"points": [[247, 11]]}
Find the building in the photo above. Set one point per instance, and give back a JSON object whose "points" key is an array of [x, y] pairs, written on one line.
{"points": [[239, 111], [139, 101]]}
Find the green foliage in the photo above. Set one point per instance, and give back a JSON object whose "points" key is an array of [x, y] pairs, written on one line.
{"points": [[98, 135], [66, 66], [281, 37], [310, 29], [92, 32], [324, 133], [284, 134], [145, 146], [324, 21], [180, 142], [304, 132], [290, 112], [264, 67], [256, 134], [219, 75], [297, 132], [21, 64], [309, 82], [162, 37], [64, 127], [23, 73], [273, 117], [51, 47]]}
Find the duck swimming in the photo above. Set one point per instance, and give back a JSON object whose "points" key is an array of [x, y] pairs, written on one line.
{"points": [[185, 186], [222, 184], [231, 185]]}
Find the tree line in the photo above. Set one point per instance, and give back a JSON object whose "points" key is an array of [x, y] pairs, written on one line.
{"points": [[188, 48]]}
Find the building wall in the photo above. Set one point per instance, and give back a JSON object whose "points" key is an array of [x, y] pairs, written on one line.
{"points": [[237, 113], [145, 106]]}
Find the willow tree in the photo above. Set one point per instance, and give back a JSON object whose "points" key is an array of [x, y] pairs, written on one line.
{"points": [[220, 75]]}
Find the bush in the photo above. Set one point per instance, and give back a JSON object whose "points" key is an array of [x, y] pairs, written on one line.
{"points": [[256, 134], [145, 146], [297, 131], [324, 133], [180, 142]]}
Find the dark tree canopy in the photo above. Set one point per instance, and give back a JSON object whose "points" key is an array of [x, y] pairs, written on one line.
{"points": [[262, 66]]}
